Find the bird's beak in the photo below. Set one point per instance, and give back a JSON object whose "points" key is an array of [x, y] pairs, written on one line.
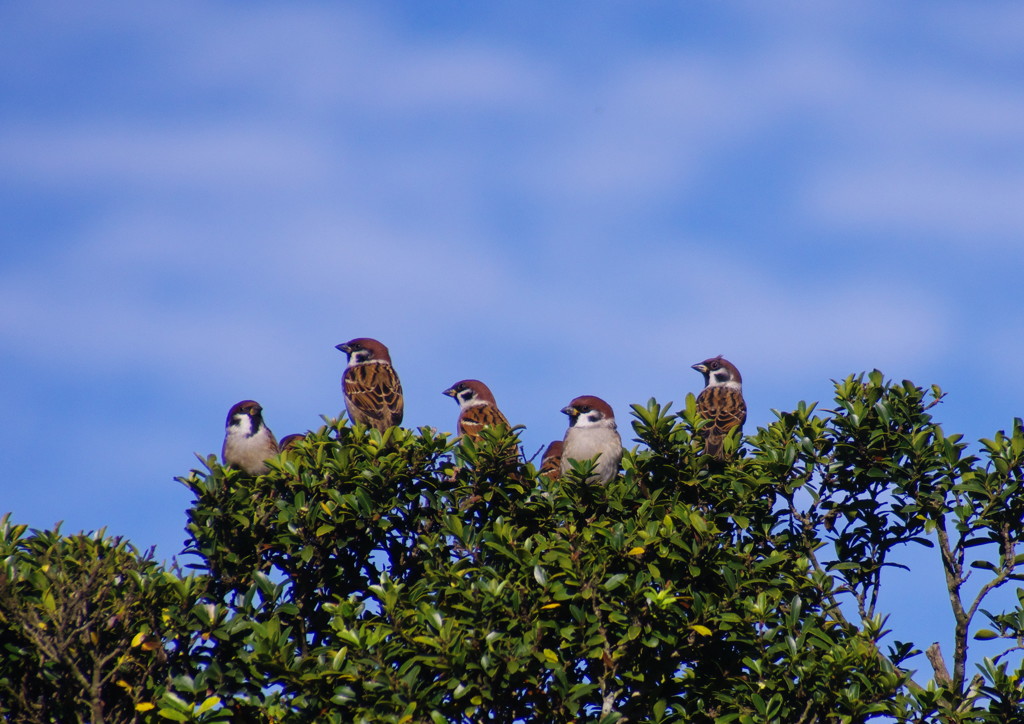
{"points": [[700, 368], [450, 392], [343, 347], [569, 410]]}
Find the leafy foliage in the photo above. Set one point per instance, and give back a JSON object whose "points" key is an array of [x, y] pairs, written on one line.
{"points": [[90, 629], [407, 577]]}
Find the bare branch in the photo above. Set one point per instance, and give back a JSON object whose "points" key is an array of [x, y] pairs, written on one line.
{"points": [[934, 654]]}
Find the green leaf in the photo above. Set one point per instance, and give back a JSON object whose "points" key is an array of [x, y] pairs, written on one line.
{"points": [[614, 581], [208, 704], [540, 575]]}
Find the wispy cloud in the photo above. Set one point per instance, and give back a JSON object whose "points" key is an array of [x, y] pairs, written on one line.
{"points": [[219, 158]]}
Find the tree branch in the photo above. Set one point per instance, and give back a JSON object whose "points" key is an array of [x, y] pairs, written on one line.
{"points": [[954, 579], [934, 654]]}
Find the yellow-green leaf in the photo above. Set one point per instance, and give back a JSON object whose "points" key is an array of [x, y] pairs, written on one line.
{"points": [[211, 701]]}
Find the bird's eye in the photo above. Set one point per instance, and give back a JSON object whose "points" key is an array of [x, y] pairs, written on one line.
{"points": [[585, 408], [715, 365]]}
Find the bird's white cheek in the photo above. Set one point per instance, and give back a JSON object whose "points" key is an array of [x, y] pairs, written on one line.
{"points": [[242, 427]]}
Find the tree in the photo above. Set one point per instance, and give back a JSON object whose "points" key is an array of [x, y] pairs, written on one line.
{"points": [[373, 577], [90, 629]]}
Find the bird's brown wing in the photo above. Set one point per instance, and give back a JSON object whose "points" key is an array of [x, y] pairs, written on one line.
{"points": [[472, 419], [374, 395], [551, 464], [724, 409]]}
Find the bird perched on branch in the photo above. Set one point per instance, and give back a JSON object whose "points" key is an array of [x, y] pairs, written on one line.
{"points": [[248, 442], [720, 403], [373, 393], [592, 433], [477, 408]]}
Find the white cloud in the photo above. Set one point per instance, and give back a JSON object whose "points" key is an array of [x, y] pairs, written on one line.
{"points": [[137, 157], [341, 104], [348, 60], [697, 301], [933, 203]]}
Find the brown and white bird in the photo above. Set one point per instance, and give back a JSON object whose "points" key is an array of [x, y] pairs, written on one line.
{"points": [[592, 433], [477, 408], [720, 403], [551, 460], [248, 442], [373, 394]]}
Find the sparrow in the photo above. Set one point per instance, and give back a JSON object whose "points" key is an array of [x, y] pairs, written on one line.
{"points": [[477, 407], [592, 433], [288, 441], [720, 402], [248, 442], [373, 394], [551, 460]]}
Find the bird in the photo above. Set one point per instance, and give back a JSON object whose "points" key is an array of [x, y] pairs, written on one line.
{"points": [[288, 441], [720, 403], [592, 433], [551, 460], [248, 442], [373, 393], [477, 408]]}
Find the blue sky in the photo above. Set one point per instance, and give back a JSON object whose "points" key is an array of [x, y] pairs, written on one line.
{"points": [[200, 200]]}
